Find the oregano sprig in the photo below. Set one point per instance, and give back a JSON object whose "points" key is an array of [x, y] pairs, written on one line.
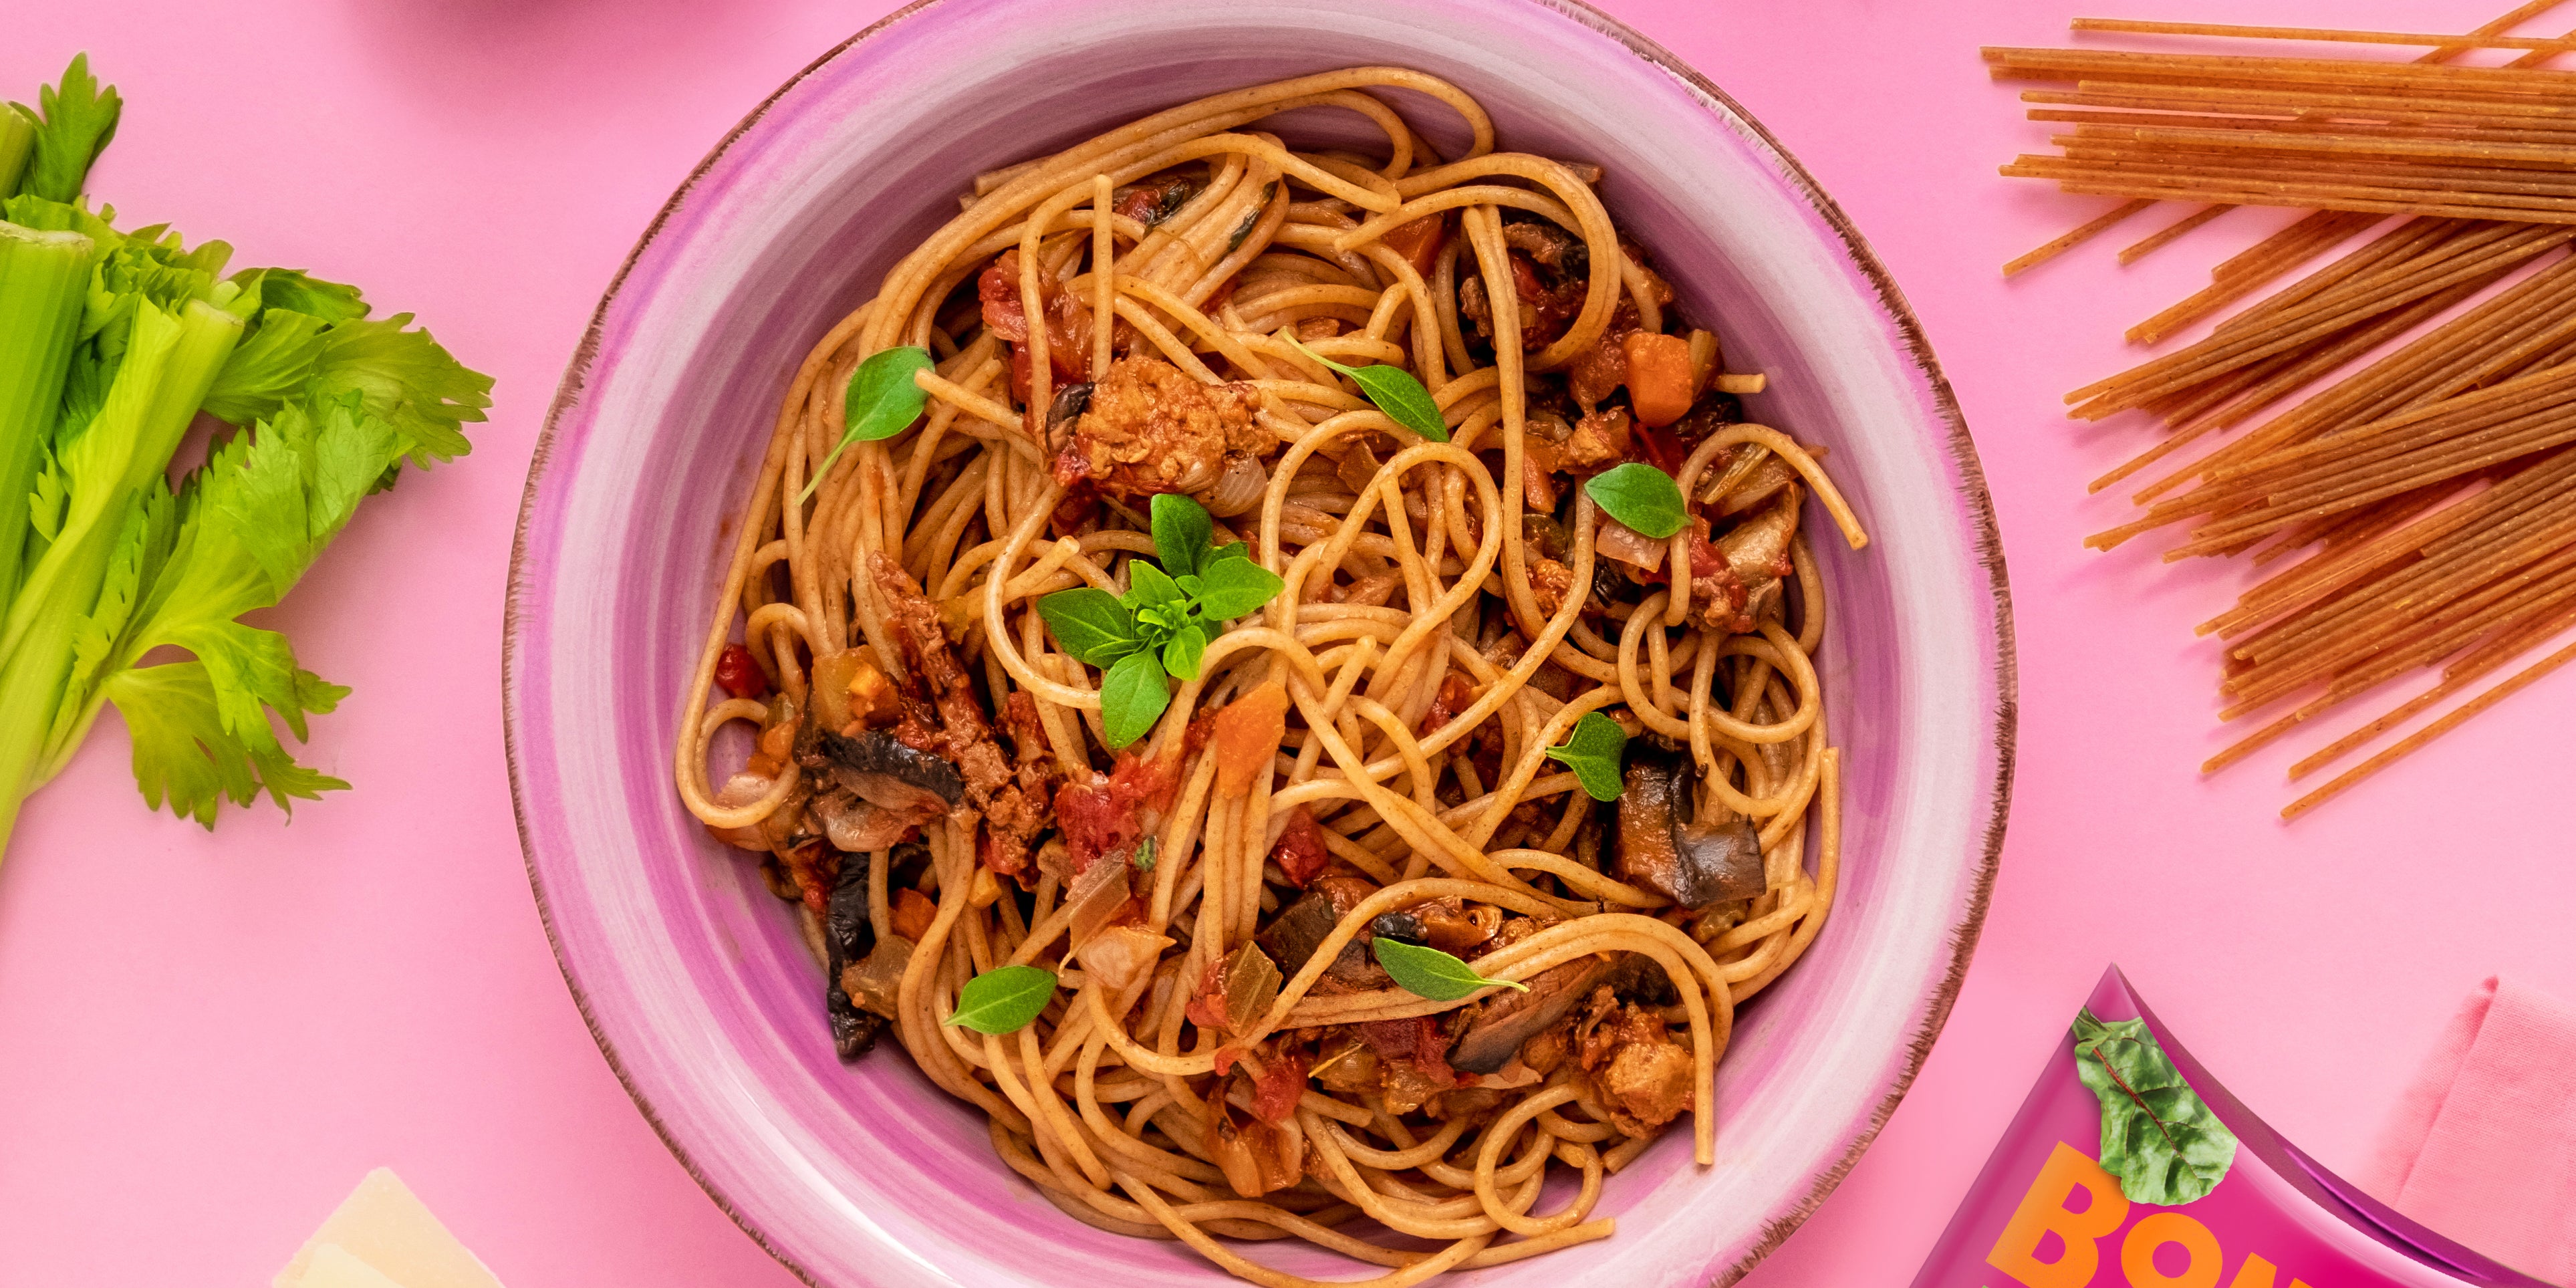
{"points": [[882, 401], [1428, 972], [1593, 752], [1395, 391], [1640, 496], [1162, 626], [1004, 999]]}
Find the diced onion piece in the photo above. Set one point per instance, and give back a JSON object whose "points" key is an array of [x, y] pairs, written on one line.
{"points": [[1248, 733], [873, 983], [1659, 377], [1735, 384], [1118, 957], [1251, 985], [1616, 540], [1097, 895], [831, 693], [1703, 358]]}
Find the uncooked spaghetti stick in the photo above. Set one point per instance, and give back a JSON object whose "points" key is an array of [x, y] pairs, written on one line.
{"points": [[2239, 31], [2073, 237], [2415, 741], [2148, 245]]}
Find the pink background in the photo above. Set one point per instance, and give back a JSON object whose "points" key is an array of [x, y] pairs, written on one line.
{"points": [[205, 1040]]}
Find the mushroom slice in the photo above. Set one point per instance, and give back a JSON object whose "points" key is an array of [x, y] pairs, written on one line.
{"points": [[848, 939], [886, 773], [1495, 1033], [1694, 865]]}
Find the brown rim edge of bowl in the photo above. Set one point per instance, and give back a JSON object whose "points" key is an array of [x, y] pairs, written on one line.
{"points": [[1963, 454]]}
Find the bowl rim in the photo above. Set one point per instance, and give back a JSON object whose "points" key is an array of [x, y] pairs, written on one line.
{"points": [[1971, 488]]}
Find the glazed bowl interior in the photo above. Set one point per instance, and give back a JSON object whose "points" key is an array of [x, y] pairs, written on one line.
{"points": [[693, 976]]}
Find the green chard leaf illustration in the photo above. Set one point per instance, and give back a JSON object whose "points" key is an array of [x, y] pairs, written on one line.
{"points": [[2158, 1137]]}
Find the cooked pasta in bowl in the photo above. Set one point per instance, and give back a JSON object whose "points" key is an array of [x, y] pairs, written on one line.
{"points": [[1289, 642]]}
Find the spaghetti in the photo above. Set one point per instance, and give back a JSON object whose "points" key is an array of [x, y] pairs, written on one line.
{"points": [[1362, 760], [2429, 491]]}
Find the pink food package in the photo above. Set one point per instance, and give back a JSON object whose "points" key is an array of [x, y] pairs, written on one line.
{"points": [[2130, 1167]]}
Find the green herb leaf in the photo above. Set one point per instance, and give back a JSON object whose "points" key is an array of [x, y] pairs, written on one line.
{"points": [[1090, 624], [1132, 698], [1234, 587], [1395, 392], [1182, 529], [1230, 550], [1431, 973], [1149, 586], [882, 402], [1144, 858], [1005, 999], [1181, 655], [1640, 496], [2158, 1137], [75, 120], [1592, 751]]}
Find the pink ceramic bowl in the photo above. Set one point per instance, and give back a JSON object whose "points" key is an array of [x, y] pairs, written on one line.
{"points": [[692, 976]]}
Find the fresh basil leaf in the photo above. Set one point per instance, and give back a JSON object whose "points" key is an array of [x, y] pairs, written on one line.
{"points": [[1144, 857], [1640, 496], [2157, 1136], [1156, 622], [1132, 698], [1005, 999], [1149, 586], [1182, 529], [1236, 587], [1090, 624], [1181, 655], [1230, 550], [1592, 751], [1429, 972], [882, 402], [1395, 391]]}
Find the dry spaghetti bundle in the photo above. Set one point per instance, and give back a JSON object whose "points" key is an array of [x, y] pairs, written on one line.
{"points": [[1228, 733], [2420, 505]]}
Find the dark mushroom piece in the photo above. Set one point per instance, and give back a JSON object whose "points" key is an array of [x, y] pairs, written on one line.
{"points": [[883, 771], [1495, 1033], [848, 937], [1069, 404], [1659, 847], [1300, 929]]}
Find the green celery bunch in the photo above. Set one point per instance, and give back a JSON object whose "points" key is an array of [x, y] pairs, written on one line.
{"points": [[111, 344]]}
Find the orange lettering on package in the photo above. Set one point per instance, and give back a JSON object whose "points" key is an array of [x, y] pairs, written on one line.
{"points": [[2044, 1211], [2138, 1253]]}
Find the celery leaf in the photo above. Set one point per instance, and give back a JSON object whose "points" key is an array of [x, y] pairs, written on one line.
{"points": [[74, 121], [239, 536], [406, 378]]}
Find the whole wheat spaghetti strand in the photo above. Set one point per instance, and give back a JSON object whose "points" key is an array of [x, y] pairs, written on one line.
{"points": [[2412, 742]]}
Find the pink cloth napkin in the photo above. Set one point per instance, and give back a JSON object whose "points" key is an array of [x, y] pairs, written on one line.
{"points": [[2482, 1146]]}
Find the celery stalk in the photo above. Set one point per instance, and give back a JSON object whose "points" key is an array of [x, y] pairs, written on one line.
{"points": [[17, 142], [106, 463], [44, 280], [169, 364]]}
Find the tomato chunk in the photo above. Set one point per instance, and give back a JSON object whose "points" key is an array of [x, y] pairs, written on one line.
{"points": [[1659, 377], [739, 673]]}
